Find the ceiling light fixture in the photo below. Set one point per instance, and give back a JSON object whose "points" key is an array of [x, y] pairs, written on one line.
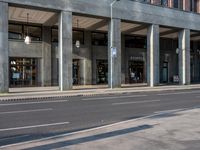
{"points": [[27, 38], [78, 43]]}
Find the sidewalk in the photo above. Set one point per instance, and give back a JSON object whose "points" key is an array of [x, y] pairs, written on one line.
{"points": [[53, 92], [171, 130]]}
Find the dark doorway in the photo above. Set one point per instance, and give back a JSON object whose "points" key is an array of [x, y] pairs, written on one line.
{"points": [[76, 72], [102, 71], [165, 72], [136, 72]]}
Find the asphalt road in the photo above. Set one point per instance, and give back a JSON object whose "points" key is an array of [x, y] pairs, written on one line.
{"points": [[27, 120]]}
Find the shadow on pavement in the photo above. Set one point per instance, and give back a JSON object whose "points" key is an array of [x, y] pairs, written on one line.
{"points": [[92, 138]]}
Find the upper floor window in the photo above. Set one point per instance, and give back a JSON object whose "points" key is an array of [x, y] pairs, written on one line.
{"points": [[100, 39], [19, 31], [78, 35], [35, 32], [135, 42], [15, 31]]}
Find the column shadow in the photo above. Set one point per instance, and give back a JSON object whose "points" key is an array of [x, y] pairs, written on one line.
{"points": [[92, 138]]}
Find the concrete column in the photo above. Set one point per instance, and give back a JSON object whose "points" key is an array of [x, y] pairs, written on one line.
{"points": [[4, 71], [198, 6], [171, 3], [114, 80], [46, 56], [186, 5], [153, 55], [184, 56], [65, 51]]}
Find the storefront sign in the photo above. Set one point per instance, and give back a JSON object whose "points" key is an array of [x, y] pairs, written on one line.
{"points": [[176, 79], [137, 58], [16, 75]]}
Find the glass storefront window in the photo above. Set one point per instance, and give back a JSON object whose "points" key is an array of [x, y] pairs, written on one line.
{"points": [[15, 31], [135, 42], [23, 72], [34, 32], [99, 39], [195, 6], [175, 3], [164, 2]]}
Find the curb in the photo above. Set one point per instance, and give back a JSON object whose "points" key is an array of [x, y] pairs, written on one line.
{"points": [[64, 95]]}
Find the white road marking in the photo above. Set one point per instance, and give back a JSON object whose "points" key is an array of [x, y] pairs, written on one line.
{"points": [[138, 102], [9, 138], [168, 111], [113, 97], [177, 93], [39, 102], [34, 126], [25, 111]]}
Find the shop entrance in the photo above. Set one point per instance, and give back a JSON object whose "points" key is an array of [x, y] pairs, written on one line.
{"points": [[23, 72], [102, 71], [136, 72], [165, 72], [76, 72]]}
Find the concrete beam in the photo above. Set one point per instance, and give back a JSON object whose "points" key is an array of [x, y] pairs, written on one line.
{"points": [[114, 62], [138, 28], [65, 51], [168, 32], [52, 21], [195, 35], [98, 25], [184, 56], [153, 55], [129, 10], [4, 71]]}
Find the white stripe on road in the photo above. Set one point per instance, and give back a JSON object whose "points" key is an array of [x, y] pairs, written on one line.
{"points": [[16, 137], [116, 97], [39, 102], [177, 93], [25, 111], [138, 102], [34, 126]]}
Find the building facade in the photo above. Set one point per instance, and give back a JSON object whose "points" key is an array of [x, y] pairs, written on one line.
{"points": [[153, 41]]}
